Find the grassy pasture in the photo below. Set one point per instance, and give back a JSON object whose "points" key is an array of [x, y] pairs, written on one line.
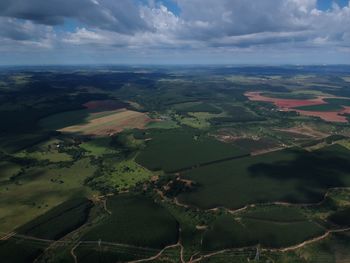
{"points": [[256, 145], [46, 150], [198, 120], [235, 114], [174, 150], [197, 107], [51, 156], [12, 143], [291, 175], [8, 169], [98, 146], [120, 175], [321, 107], [91, 253], [333, 104], [39, 189], [58, 221], [137, 221], [275, 213], [228, 232], [294, 96], [164, 124], [337, 101], [334, 249]]}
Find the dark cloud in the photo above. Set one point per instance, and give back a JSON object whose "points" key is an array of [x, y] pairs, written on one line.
{"points": [[21, 31], [143, 27], [115, 15]]}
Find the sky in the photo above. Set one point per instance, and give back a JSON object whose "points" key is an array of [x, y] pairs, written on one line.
{"points": [[268, 32]]}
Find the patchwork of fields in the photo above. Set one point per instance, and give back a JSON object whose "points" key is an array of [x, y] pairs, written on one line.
{"points": [[184, 150], [155, 165], [99, 124], [331, 109], [293, 176]]}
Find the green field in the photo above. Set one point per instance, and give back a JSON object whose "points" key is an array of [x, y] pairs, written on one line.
{"points": [[235, 114], [120, 175], [164, 124], [333, 104], [49, 150], [137, 221], [109, 253], [336, 101], [8, 169], [290, 175], [98, 146], [228, 232], [19, 251], [256, 145], [196, 107], [65, 119], [196, 120], [58, 221], [341, 218], [39, 189], [275, 213], [175, 167], [177, 149], [289, 96], [321, 107]]}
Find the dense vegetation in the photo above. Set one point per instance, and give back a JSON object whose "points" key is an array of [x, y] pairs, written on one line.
{"points": [[58, 221], [184, 150], [138, 221], [230, 233], [289, 175]]}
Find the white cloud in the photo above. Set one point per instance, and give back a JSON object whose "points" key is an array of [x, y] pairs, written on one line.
{"points": [[202, 25]]}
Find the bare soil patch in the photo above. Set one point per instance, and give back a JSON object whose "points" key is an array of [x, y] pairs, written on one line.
{"points": [[291, 104], [113, 122]]}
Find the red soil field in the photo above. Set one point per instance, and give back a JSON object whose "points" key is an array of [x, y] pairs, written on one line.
{"points": [[284, 103], [290, 104]]}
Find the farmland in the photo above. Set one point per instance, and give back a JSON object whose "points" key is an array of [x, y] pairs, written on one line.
{"points": [[101, 123], [137, 221], [326, 108], [173, 164], [53, 224], [230, 233], [284, 176], [185, 149]]}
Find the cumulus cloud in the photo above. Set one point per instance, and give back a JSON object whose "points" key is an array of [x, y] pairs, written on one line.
{"points": [[120, 16], [201, 25], [18, 34]]}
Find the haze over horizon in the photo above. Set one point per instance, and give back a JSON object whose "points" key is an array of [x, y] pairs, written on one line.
{"points": [[269, 32]]}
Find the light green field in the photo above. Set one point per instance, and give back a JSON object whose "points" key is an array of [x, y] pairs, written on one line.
{"points": [[40, 189], [123, 175], [185, 105], [166, 124], [345, 143], [98, 146], [54, 157], [48, 150], [198, 120], [8, 169]]}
